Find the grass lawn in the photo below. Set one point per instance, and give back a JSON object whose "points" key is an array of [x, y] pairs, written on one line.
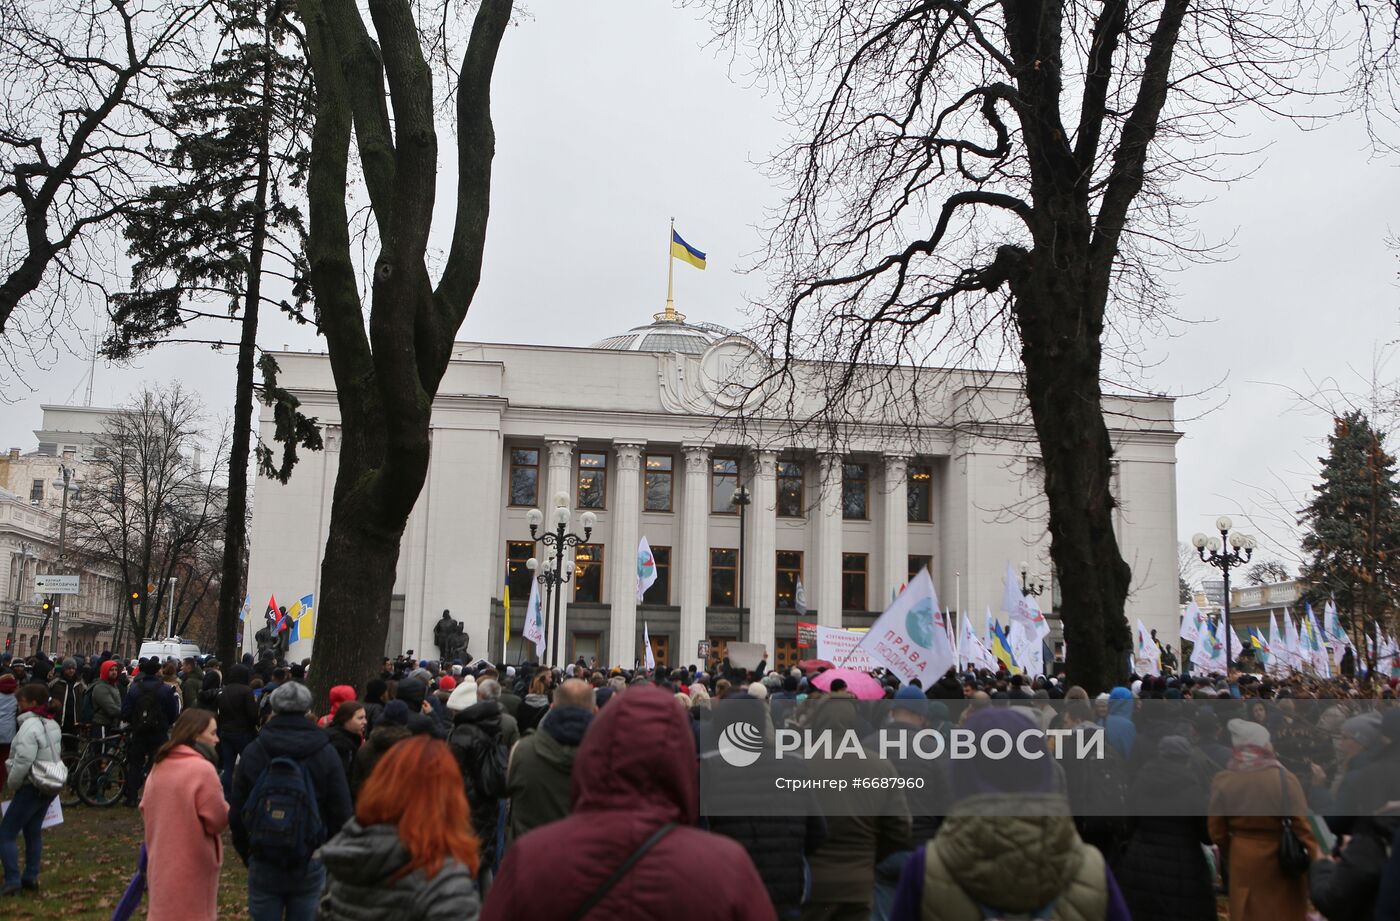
{"points": [[88, 861]]}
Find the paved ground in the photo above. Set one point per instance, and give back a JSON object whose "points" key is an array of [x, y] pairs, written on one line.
{"points": [[88, 861]]}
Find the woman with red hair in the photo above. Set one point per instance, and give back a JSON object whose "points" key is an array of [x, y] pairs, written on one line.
{"points": [[409, 853]]}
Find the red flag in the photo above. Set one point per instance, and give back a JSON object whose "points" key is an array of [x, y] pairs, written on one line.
{"points": [[276, 612]]}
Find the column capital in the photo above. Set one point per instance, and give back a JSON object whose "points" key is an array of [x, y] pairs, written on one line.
{"points": [[629, 455], [765, 463], [561, 450], [697, 457], [896, 463]]}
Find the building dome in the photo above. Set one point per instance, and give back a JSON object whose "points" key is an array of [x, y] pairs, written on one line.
{"points": [[668, 332]]}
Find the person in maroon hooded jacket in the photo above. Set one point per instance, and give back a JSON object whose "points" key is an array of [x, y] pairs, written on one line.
{"points": [[623, 793]]}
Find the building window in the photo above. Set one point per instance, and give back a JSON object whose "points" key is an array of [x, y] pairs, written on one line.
{"points": [[724, 570], [36, 491], [724, 479], [524, 476], [592, 479], [853, 578], [917, 563], [855, 491], [588, 572], [790, 504], [920, 485], [517, 575], [660, 591], [789, 573], [658, 482]]}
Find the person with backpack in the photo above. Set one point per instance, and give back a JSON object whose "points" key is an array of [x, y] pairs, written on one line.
{"points": [[476, 743], [69, 690], [289, 796], [36, 774], [409, 853], [150, 709]]}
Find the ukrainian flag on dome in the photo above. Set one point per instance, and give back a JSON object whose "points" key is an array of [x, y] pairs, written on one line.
{"points": [[685, 252], [302, 614]]}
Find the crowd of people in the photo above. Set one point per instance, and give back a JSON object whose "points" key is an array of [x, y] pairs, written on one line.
{"points": [[443, 790]]}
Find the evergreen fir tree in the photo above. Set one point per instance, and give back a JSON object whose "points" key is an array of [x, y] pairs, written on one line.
{"points": [[211, 244], [1352, 526]]}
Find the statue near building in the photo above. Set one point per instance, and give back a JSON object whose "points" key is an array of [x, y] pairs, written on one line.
{"points": [[451, 638]]}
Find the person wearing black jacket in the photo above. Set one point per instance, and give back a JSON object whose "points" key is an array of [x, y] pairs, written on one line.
{"points": [[143, 739], [238, 721], [274, 888], [1347, 887], [1163, 873]]}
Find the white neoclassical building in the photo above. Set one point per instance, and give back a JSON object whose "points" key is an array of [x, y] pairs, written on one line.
{"points": [[638, 429]]}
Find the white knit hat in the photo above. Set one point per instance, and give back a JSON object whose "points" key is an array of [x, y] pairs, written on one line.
{"points": [[1245, 732], [463, 695]]}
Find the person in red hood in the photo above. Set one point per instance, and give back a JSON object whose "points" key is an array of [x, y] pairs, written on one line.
{"points": [[623, 793], [340, 693], [107, 700]]}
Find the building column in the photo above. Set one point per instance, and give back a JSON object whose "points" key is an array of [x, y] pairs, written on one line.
{"points": [[896, 527], [694, 556], [561, 476], [760, 568], [829, 524], [621, 559]]}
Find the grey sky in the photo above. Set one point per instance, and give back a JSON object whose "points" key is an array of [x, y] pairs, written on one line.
{"points": [[608, 125]]}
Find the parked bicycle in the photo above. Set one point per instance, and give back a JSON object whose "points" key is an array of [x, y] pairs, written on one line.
{"points": [[96, 769]]}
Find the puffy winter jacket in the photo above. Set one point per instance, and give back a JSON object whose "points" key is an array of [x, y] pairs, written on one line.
{"points": [[622, 792], [476, 735], [238, 706], [37, 739], [9, 712], [541, 767], [1347, 888], [361, 863]]}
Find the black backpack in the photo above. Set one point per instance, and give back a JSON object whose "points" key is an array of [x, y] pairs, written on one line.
{"points": [[282, 816], [147, 715], [483, 761]]}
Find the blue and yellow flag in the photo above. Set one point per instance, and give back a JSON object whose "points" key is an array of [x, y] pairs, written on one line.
{"points": [[302, 614], [1001, 648], [685, 252]]}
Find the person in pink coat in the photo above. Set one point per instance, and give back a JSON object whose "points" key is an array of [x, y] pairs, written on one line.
{"points": [[185, 813]]}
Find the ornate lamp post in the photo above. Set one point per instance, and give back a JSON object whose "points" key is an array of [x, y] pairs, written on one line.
{"points": [[1034, 589], [1210, 550], [558, 539]]}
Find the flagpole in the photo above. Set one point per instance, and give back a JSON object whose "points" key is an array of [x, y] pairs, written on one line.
{"points": [[670, 311]]}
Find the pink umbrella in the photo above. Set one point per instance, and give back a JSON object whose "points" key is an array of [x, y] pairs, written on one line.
{"points": [[811, 665], [860, 684]]}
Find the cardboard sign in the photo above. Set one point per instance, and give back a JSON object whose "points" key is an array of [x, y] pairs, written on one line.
{"points": [[51, 818], [744, 655]]}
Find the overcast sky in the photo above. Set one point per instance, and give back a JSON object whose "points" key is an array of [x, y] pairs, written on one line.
{"points": [[609, 125]]}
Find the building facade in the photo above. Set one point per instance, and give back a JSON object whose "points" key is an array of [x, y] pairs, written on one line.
{"points": [[653, 431], [31, 508]]}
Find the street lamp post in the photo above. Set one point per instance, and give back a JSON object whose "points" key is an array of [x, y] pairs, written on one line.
{"points": [[741, 500], [1213, 551], [558, 540], [62, 541], [1034, 589]]}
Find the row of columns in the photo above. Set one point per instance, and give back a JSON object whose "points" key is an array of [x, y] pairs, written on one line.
{"points": [[758, 567]]}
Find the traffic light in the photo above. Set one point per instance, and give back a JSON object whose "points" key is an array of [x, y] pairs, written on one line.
{"points": [[46, 606]]}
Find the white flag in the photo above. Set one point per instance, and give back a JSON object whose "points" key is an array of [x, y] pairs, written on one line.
{"points": [[646, 568], [799, 598], [1022, 608], [910, 638], [1278, 657], [971, 650], [1026, 648], [1293, 652], [650, 660], [534, 620], [1149, 657], [1191, 622]]}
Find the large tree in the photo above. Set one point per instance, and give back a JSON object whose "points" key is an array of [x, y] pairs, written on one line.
{"points": [[1352, 528], [78, 139], [387, 357], [224, 237], [151, 508], [973, 177]]}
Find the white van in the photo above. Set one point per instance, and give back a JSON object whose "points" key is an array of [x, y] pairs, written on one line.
{"points": [[171, 647]]}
